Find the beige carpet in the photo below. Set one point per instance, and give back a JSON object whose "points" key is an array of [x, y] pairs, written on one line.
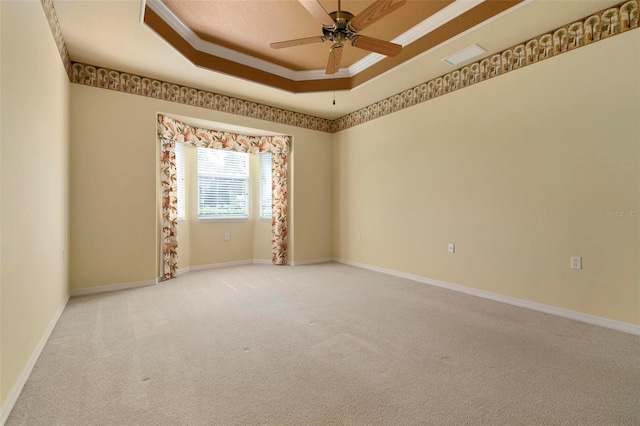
{"points": [[324, 345]]}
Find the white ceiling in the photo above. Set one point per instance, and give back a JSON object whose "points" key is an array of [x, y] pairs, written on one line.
{"points": [[111, 34]]}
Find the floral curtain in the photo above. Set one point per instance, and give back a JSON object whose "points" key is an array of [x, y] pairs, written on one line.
{"points": [[171, 131]]}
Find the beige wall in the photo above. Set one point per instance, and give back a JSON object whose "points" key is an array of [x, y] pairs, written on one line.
{"points": [[518, 172], [113, 191], [34, 192], [314, 203]]}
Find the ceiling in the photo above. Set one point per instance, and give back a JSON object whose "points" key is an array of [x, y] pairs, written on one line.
{"points": [[257, 23], [223, 46], [203, 32]]}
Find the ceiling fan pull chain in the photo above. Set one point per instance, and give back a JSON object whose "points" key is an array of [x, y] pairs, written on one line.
{"points": [[334, 89]]}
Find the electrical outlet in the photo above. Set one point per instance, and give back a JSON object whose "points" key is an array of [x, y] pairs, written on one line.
{"points": [[226, 236], [452, 248], [358, 236], [576, 262]]}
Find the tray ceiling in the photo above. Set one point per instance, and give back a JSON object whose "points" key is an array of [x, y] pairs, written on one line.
{"points": [[234, 37]]}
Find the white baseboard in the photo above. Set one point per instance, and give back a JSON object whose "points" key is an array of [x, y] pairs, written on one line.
{"points": [[14, 393], [249, 262], [310, 261], [220, 265], [224, 265], [183, 271], [111, 287], [553, 310]]}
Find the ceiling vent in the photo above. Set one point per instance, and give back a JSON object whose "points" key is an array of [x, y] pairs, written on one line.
{"points": [[464, 55]]}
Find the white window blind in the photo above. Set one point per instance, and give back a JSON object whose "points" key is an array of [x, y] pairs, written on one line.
{"points": [[180, 176], [265, 186], [223, 184]]}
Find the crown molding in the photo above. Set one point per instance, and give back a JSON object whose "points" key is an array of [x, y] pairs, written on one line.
{"points": [[433, 22]]}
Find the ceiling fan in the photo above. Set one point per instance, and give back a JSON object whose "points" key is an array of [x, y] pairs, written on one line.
{"points": [[341, 26]]}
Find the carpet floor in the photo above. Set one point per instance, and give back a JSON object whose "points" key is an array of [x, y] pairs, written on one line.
{"points": [[325, 344]]}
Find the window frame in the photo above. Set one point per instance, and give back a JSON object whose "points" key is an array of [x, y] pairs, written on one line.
{"points": [[245, 178]]}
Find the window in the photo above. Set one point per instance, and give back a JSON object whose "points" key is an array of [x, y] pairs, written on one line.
{"points": [[180, 178], [265, 186], [223, 184]]}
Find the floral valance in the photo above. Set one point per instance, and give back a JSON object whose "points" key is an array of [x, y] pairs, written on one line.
{"points": [[177, 131]]}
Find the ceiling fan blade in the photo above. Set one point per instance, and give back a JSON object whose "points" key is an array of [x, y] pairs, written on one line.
{"points": [[376, 45], [374, 12], [333, 64], [318, 12], [297, 42]]}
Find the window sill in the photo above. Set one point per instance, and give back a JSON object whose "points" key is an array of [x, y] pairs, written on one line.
{"points": [[223, 219]]}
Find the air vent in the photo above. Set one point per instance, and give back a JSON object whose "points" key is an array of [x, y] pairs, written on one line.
{"points": [[464, 55]]}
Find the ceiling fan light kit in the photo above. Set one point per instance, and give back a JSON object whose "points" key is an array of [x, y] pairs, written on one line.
{"points": [[341, 26]]}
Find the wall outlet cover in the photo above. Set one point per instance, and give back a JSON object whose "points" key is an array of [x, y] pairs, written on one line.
{"points": [[576, 262]]}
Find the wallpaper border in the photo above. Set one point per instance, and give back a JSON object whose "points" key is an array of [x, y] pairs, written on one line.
{"points": [[107, 78], [597, 26], [54, 25]]}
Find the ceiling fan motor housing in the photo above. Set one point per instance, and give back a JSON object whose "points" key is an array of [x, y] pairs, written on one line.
{"points": [[341, 31]]}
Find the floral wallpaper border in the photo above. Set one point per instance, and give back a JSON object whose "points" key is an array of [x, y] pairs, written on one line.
{"points": [[145, 86], [595, 27], [54, 25]]}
